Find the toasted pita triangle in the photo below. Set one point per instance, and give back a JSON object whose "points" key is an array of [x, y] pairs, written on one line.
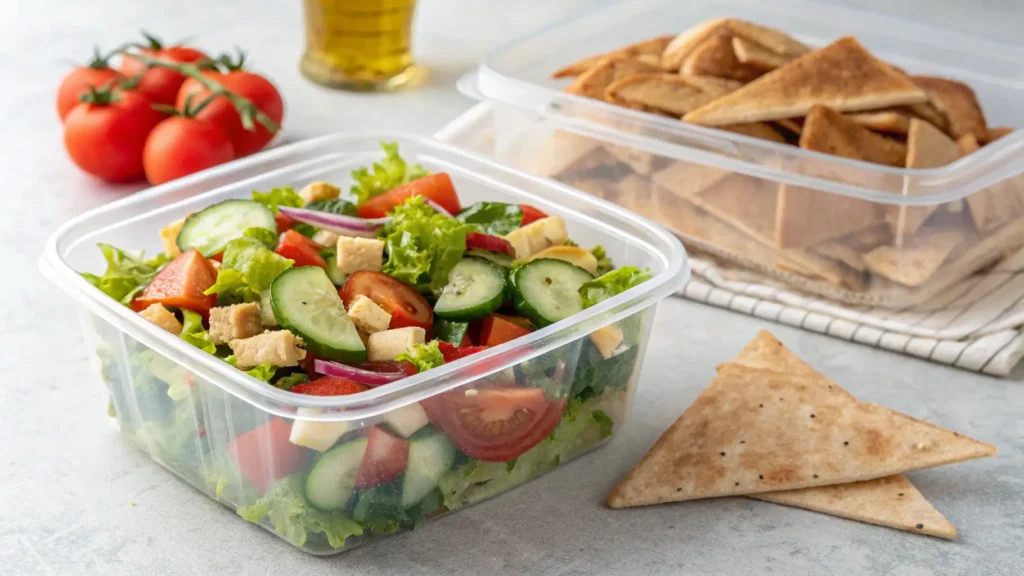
{"points": [[562, 153], [769, 38], [996, 204], [753, 54], [664, 93], [743, 201], [913, 264], [712, 86], [928, 111], [843, 76], [927, 147], [958, 102], [682, 45], [596, 80], [891, 501], [761, 130], [889, 121], [653, 47], [715, 57], [684, 179], [755, 430], [995, 134]]}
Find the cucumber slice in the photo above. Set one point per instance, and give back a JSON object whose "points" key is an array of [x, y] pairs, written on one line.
{"points": [[305, 302], [210, 229], [450, 331], [329, 484], [503, 260], [475, 289], [431, 454], [547, 290], [337, 276]]}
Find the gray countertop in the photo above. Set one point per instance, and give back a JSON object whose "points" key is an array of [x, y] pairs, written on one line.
{"points": [[76, 499]]}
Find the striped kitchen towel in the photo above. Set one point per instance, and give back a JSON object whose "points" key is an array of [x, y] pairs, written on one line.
{"points": [[976, 325]]}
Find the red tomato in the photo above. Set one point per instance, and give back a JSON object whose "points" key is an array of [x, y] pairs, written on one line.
{"points": [[160, 85], [437, 187], [496, 330], [530, 214], [488, 242], [222, 112], [406, 306], [284, 222], [301, 249], [453, 353], [180, 146], [264, 455], [181, 284], [495, 424], [388, 367], [77, 82], [329, 386], [384, 460], [107, 138]]}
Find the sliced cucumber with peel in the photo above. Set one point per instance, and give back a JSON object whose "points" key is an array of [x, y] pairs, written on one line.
{"points": [[330, 483], [476, 288], [431, 454], [210, 229], [450, 331], [307, 303], [503, 260], [547, 290], [336, 275]]}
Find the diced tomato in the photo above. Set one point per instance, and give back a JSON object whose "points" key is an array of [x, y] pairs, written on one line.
{"points": [[301, 249], [264, 455], [530, 214], [329, 386], [181, 284], [406, 306], [488, 242], [384, 460], [437, 187], [453, 353], [284, 222], [495, 330]]}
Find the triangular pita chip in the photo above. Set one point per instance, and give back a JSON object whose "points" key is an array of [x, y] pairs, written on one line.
{"points": [[891, 501], [806, 216], [761, 130], [769, 38], [686, 42], [670, 94], [850, 249], [927, 147], [995, 134], [758, 56], [958, 102], [640, 161], [766, 352], [715, 57], [743, 201], [684, 179], [593, 82], [916, 262], [842, 75], [682, 45], [814, 265], [712, 86], [889, 121], [996, 204], [652, 47], [928, 111], [754, 430], [790, 125], [562, 153]]}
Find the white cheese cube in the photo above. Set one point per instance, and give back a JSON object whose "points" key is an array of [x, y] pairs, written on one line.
{"points": [[162, 317], [169, 237], [313, 434], [607, 339], [319, 191], [389, 344], [326, 238], [537, 236], [407, 419], [355, 254], [368, 316]]}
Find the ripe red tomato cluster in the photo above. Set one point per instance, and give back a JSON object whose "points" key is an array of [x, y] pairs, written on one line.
{"points": [[118, 123]]}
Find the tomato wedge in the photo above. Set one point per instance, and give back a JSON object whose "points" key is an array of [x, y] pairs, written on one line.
{"points": [[264, 455], [384, 460], [181, 284], [488, 242], [301, 249], [437, 187], [284, 222], [495, 424], [530, 214], [495, 330], [329, 386], [406, 306]]}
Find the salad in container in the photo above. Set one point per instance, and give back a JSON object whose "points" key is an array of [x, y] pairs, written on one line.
{"points": [[341, 358]]}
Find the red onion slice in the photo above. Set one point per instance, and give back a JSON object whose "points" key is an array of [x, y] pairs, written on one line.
{"points": [[347, 225], [354, 374]]}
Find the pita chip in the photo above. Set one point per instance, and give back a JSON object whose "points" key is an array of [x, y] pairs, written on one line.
{"points": [[753, 54], [715, 57], [806, 216], [596, 80], [743, 201], [916, 262], [927, 147], [685, 179], [754, 430], [761, 130], [958, 102], [995, 134], [686, 42], [889, 121], [843, 76], [682, 45], [713, 86], [996, 204], [817, 266], [652, 47], [927, 111], [769, 38], [891, 501], [669, 94], [790, 125], [640, 161]]}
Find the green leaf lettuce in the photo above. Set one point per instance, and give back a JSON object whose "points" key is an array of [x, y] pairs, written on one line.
{"points": [[422, 245], [248, 268], [286, 509], [615, 282], [390, 172], [126, 275], [423, 356]]}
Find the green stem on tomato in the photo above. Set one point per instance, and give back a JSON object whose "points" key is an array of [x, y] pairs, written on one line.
{"points": [[247, 111]]}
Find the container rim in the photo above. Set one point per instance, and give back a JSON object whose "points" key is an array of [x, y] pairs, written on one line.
{"points": [[669, 252], [990, 165]]}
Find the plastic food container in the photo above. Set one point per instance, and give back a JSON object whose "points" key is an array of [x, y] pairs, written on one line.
{"points": [[227, 433], [829, 225]]}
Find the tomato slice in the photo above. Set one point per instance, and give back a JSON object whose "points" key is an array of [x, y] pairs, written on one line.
{"points": [[265, 455], [384, 460], [329, 386], [437, 187], [181, 284], [406, 306], [488, 242], [495, 424], [301, 249], [452, 353], [530, 214], [284, 222], [495, 330]]}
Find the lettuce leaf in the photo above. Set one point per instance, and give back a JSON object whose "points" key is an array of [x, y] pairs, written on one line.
{"points": [[267, 237], [423, 356], [192, 331], [595, 374], [390, 172], [263, 372], [287, 382], [248, 268], [126, 275], [612, 283], [335, 206], [494, 218], [604, 263], [291, 516], [283, 196], [422, 245]]}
